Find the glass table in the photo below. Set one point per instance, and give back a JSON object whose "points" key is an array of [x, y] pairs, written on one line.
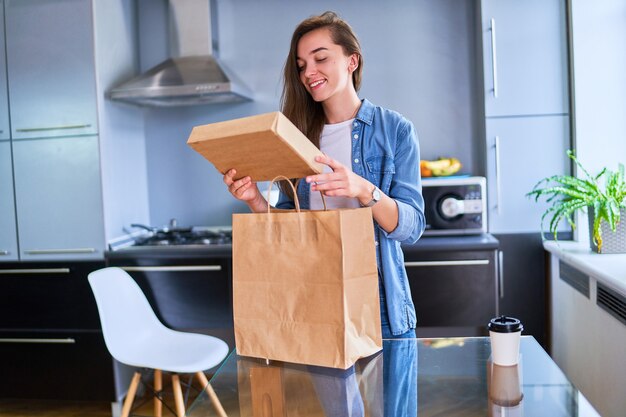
{"points": [[409, 377]]}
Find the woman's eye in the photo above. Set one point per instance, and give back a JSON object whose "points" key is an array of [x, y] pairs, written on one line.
{"points": [[320, 59], [300, 69]]}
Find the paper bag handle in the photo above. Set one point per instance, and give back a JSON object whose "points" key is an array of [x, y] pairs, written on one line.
{"points": [[295, 193]]}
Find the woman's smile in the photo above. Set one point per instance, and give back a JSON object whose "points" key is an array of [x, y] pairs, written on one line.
{"points": [[316, 84]]}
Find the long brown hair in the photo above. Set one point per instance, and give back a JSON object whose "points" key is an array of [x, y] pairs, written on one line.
{"points": [[295, 102]]}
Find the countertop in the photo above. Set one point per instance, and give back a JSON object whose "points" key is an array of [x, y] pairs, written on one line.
{"points": [[454, 377], [426, 243], [608, 268]]}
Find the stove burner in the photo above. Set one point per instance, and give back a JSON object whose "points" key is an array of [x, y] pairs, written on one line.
{"points": [[187, 237]]}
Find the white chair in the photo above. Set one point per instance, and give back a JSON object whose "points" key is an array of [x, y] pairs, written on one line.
{"points": [[134, 336]]}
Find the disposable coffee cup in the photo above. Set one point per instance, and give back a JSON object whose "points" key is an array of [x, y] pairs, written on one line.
{"points": [[505, 333]]}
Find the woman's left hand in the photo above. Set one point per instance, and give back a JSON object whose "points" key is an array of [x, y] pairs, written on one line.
{"points": [[341, 182]]}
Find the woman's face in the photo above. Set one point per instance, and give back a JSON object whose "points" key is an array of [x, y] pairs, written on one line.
{"points": [[325, 71]]}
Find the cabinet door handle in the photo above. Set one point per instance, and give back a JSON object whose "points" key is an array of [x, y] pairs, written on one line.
{"points": [[496, 147], [43, 129], [178, 268], [35, 271], [501, 272], [68, 340], [448, 263], [58, 251], [494, 59], [4, 252]]}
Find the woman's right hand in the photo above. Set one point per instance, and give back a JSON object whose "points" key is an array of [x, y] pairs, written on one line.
{"points": [[244, 189]]}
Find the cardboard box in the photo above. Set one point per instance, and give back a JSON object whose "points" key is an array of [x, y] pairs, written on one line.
{"points": [[261, 147]]}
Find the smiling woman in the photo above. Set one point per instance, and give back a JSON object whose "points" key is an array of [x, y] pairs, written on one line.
{"points": [[371, 155]]}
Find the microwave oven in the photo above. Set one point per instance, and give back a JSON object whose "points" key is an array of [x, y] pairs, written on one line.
{"points": [[455, 206]]}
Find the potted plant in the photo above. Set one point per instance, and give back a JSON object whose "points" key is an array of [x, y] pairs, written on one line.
{"points": [[606, 204]]}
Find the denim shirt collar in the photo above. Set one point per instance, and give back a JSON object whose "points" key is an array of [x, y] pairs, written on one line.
{"points": [[366, 112]]}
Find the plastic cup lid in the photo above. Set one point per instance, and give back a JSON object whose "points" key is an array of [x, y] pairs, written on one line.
{"points": [[504, 324]]}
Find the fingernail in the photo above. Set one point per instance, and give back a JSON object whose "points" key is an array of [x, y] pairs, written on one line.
{"points": [[308, 179]]}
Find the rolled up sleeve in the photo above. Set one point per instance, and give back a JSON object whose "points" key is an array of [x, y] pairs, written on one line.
{"points": [[406, 188]]}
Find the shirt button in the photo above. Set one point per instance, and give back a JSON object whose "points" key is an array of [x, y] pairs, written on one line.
{"points": [[356, 124], [376, 243], [356, 160], [356, 136]]}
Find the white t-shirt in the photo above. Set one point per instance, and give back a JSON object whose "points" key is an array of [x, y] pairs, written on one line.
{"points": [[335, 142]]}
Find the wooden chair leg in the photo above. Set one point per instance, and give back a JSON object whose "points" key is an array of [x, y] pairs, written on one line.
{"points": [[158, 387], [178, 396], [130, 396], [211, 393]]}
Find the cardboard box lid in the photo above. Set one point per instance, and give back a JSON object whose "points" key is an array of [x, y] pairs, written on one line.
{"points": [[261, 147]]}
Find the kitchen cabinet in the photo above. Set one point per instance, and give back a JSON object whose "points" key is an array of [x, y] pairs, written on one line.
{"points": [[51, 68], [187, 291], [5, 132], [51, 345], [454, 284], [524, 57], [527, 133], [523, 282], [526, 106], [8, 232], [588, 322], [522, 151], [59, 198], [54, 152]]}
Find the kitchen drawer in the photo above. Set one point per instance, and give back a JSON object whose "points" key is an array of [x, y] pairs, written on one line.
{"points": [[187, 293], [50, 295], [60, 365], [454, 289]]}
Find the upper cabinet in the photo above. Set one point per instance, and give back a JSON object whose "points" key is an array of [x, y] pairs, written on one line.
{"points": [[524, 57], [50, 185], [8, 232], [525, 67], [50, 62], [4, 100]]}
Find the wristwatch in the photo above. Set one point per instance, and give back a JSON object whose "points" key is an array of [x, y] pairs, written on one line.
{"points": [[375, 197]]}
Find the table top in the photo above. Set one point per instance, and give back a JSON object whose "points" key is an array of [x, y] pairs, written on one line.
{"points": [[409, 377]]}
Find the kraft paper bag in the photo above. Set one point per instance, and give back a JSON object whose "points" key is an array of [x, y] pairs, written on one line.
{"points": [[305, 286]]}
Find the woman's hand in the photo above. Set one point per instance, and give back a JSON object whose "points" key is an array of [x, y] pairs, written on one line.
{"points": [[342, 182], [244, 189]]}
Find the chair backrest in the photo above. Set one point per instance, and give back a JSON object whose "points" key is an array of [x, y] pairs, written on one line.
{"points": [[125, 313]]}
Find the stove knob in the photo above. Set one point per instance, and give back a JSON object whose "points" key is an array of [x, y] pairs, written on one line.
{"points": [[451, 207]]}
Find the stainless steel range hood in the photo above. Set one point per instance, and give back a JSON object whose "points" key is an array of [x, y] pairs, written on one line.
{"points": [[195, 76]]}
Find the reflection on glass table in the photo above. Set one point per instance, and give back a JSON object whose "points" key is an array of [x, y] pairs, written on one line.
{"points": [[410, 377]]}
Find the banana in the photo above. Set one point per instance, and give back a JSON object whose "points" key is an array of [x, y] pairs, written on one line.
{"points": [[440, 167]]}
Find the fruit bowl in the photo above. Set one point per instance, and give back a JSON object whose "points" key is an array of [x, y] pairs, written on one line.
{"points": [[441, 167]]}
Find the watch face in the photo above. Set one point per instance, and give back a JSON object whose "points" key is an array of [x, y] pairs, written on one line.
{"points": [[376, 194]]}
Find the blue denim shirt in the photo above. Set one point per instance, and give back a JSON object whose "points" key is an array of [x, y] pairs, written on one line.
{"points": [[385, 151]]}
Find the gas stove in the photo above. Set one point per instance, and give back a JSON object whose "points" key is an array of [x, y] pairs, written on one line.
{"points": [[185, 237], [179, 238]]}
